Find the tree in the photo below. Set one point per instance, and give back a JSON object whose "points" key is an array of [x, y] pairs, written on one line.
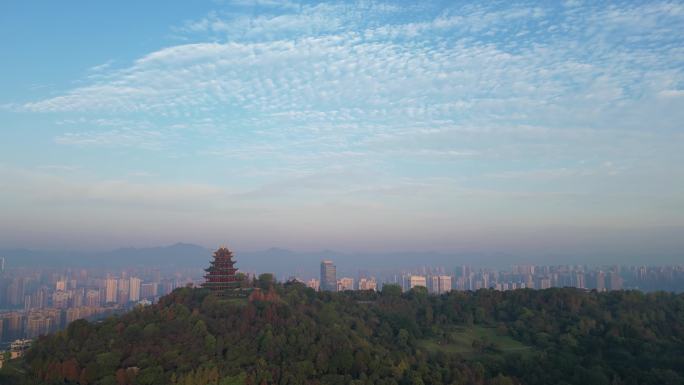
{"points": [[391, 290], [265, 281]]}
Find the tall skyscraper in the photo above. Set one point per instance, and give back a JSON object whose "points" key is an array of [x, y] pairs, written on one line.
{"points": [[2, 264], [328, 276], [134, 289]]}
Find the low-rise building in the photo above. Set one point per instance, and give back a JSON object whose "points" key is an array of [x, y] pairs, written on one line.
{"points": [[19, 347]]}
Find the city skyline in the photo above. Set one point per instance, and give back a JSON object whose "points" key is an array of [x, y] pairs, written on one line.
{"points": [[519, 129], [39, 300], [42, 300]]}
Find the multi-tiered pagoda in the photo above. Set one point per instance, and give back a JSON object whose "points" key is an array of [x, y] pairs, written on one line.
{"points": [[221, 274]]}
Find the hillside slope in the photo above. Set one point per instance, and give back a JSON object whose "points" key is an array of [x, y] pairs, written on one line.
{"points": [[293, 335]]}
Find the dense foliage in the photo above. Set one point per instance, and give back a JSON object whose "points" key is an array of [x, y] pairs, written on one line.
{"points": [[290, 334]]}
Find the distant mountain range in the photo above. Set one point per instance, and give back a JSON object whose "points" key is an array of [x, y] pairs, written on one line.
{"points": [[276, 260], [286, 262], [177, 255]]}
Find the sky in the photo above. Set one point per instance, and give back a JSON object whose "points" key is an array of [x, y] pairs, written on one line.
{"points": [[520, 127]]}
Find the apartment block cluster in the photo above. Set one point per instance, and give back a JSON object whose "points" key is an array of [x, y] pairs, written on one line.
{"points": [[540, 277], [36, 302], [330, 282], [520, 277], [438, 281], [435, 283]]}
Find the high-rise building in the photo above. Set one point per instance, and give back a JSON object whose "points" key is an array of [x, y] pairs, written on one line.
{"points": [[77, 296], [543, 283], [61, 285], [37, 299], [13, 324], [15, 291], [314, 284], [462, 283], [641, 273], [444, 284], [600, 281], [417, 280], [38, 325], [433, 284], [72, 314], [529, 282], [111, 290], [60, 300], [40, 322], [92, 298], [345, 283], [2, 264], [368, 284], [614, 281], [328, 276], [439, 284], [148, 290], [134, 289], [166, 287], [124, 288], [485, 280]]}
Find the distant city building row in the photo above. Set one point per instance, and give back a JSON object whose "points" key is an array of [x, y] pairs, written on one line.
{"points": [[36, 302], [519, 277], [41, 300]]}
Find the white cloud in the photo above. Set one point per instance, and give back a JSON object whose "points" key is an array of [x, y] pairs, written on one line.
{"points": [[367, 84], [671, 93], [356, 69], [148, 140]]}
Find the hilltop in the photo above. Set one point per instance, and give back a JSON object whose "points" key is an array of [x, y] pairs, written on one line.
{"points": [[289, 334]]}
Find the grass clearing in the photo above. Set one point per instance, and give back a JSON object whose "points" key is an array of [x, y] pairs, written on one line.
{"points": [[472, 340]]}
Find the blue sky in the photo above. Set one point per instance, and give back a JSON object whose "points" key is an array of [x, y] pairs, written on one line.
{"points": [[518, 127]]}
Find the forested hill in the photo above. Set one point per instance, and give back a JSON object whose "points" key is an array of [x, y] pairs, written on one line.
{"points": [[292, 335]]}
